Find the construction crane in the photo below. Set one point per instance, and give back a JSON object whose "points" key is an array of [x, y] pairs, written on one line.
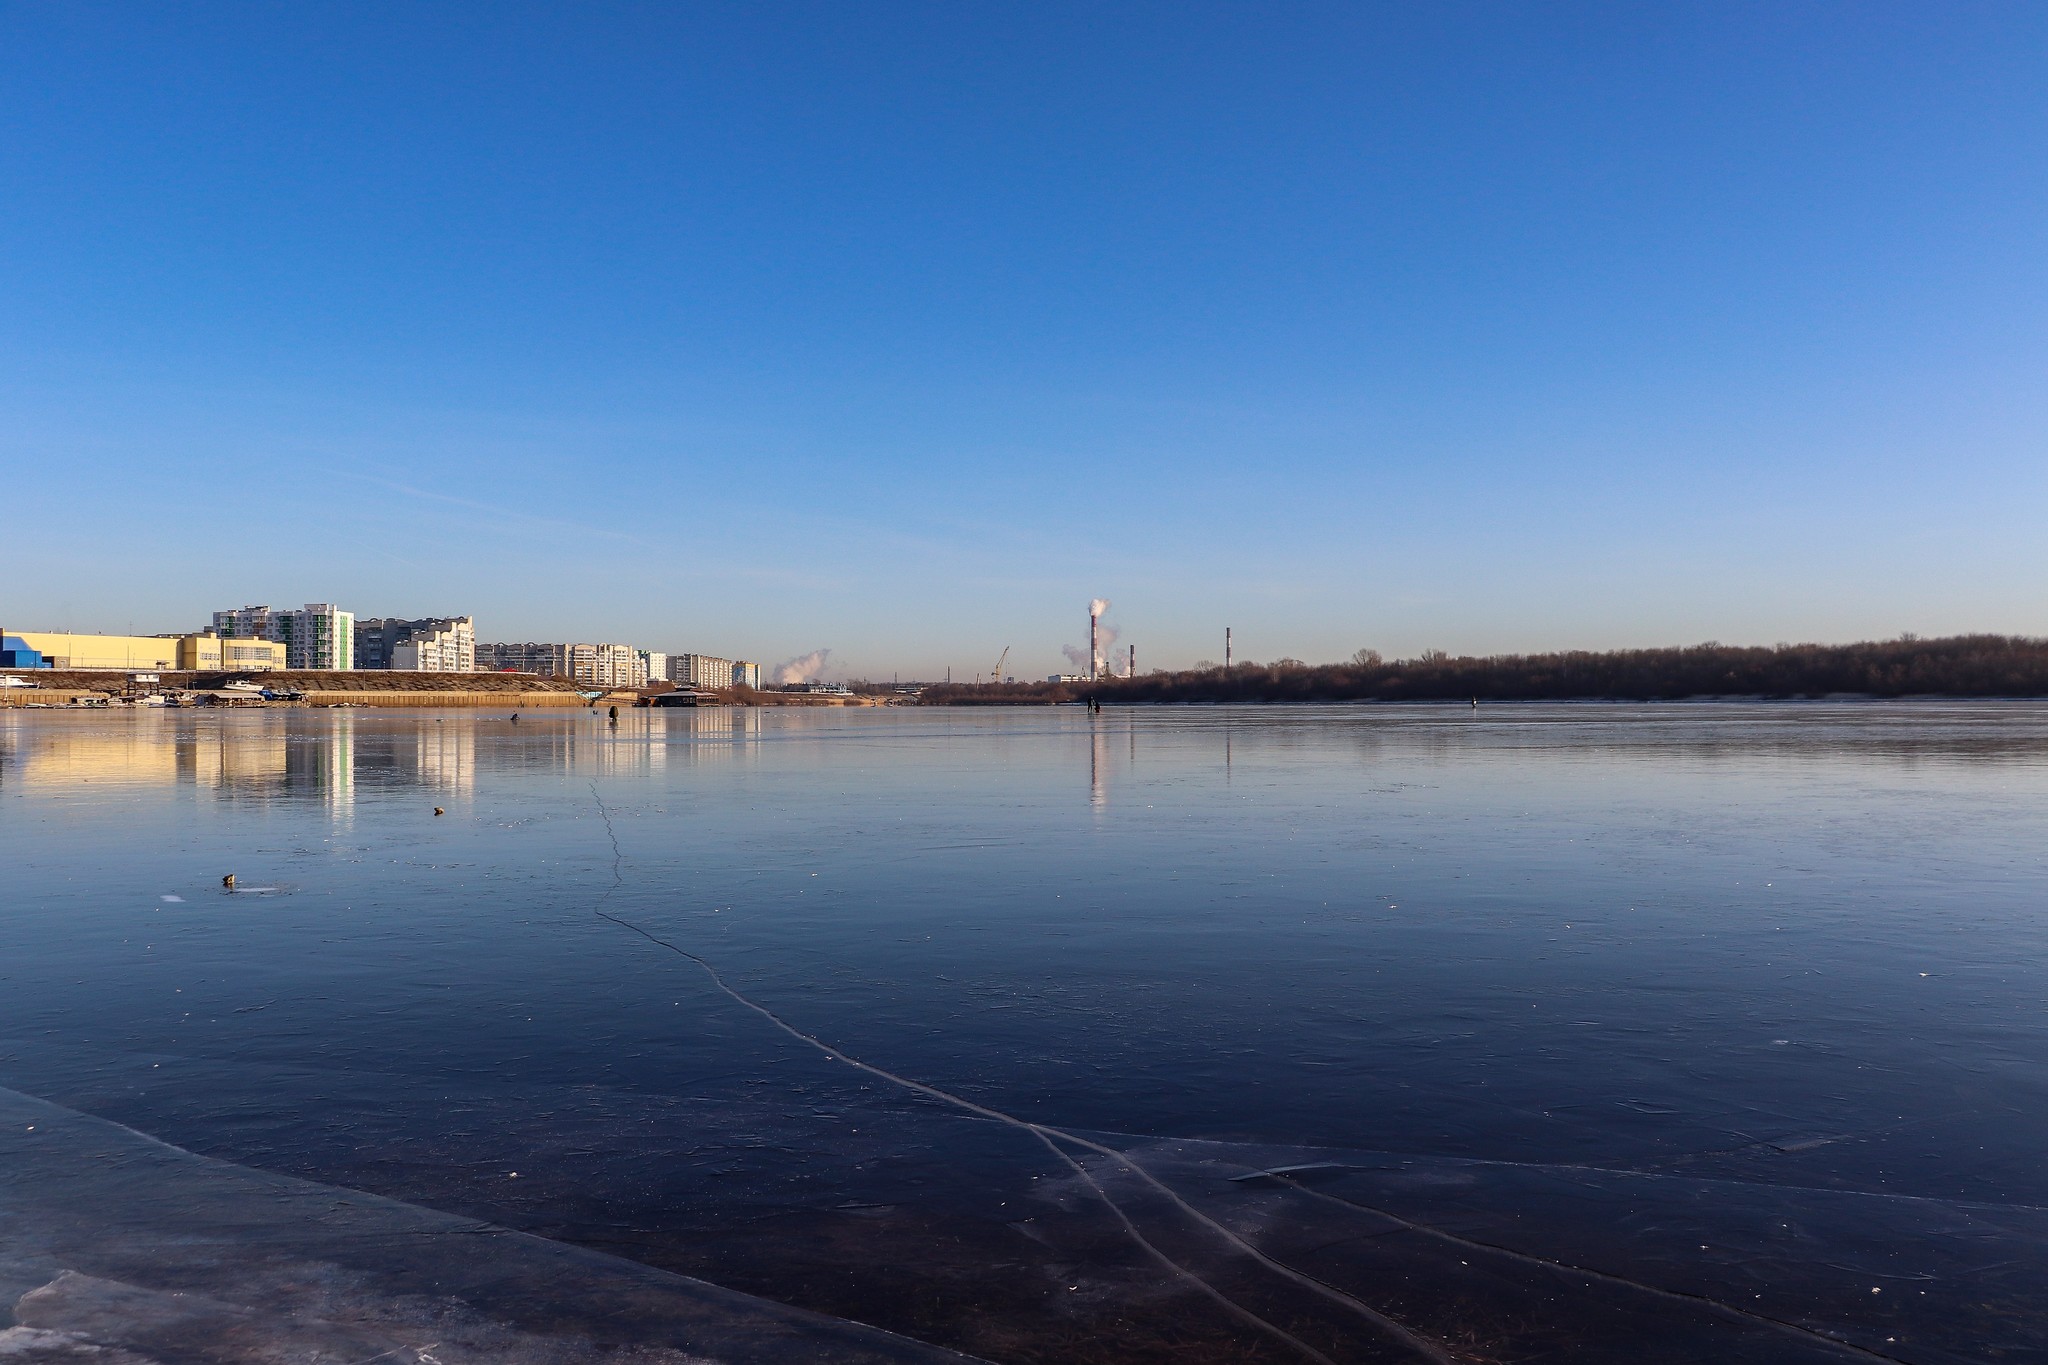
{"points": [[997, 676]]}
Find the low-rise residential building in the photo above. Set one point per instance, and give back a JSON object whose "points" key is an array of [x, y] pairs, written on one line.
{"points": [[601, 665], [549, 661], [317, 636], [705, 672], [435, 644]]}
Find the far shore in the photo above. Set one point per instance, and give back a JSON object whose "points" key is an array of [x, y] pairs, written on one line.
{"points": [[377, 688], [1952, 667]]}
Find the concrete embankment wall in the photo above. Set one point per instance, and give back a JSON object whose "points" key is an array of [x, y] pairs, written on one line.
{"points": [[48, 696], [370, 687], [509, 701]]}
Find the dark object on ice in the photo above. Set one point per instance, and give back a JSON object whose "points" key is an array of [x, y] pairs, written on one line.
{"points": [[439, 811], [1805, 1142], [1308, 1173], [228, 881]]}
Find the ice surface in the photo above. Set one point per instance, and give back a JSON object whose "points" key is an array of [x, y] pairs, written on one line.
{"points": [[115, 1247], [1516, 1262], [1333, 1034]]}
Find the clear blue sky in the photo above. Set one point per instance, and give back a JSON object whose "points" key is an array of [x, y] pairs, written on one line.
{"points": [[904, 329]]}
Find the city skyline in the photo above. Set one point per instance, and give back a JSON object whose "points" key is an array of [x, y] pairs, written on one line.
{"points": [[904, 332], [349, 640]]}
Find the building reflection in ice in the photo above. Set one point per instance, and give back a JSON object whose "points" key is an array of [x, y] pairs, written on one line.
{"points": [[247, 755]]}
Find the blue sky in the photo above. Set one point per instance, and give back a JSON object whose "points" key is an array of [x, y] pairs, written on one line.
{"points": [[905, 329]]}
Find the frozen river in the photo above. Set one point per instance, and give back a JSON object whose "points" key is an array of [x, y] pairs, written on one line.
{"points": [[1593, 1033]]}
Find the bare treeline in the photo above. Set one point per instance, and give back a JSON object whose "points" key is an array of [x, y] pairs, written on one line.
{"points": [[1956, 666]]}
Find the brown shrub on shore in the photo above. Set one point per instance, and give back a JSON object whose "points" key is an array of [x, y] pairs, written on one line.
{"points": [[1954, 666]]}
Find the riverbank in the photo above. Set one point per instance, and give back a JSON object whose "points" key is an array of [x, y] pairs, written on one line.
{"points": [[380, 688], [1954, 667], [317, 687], [748, 696]]}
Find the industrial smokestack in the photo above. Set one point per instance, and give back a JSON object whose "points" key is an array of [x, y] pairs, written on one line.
{"points": [[1096, 607], [1226, 649], [1131, 671]]}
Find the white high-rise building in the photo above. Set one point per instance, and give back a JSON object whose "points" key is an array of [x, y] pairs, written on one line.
{"points": [[706, 672], [446, 646], [319, 636], [607, 666], [655, 664]]}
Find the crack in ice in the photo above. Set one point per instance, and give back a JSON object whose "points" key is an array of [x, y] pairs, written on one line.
{"points": [[1490, 1248], [1046, 1134]]}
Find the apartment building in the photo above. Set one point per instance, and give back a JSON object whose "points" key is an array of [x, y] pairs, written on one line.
{"points": [[705, 672], [607, 666], [745, 674], [318, 636], [549, 661], [448, 650], [435, 644]]}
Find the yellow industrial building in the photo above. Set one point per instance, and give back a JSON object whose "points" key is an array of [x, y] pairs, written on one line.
{"points": [[209, 652], [150, 653]]}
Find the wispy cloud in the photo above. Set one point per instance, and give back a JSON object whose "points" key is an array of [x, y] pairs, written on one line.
{"points": [[507, 514]]}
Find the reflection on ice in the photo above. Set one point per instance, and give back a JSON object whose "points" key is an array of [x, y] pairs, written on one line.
{"points": [[325, 756]]}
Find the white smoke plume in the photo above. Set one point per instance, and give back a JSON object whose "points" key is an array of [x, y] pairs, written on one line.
{"points": [[1105, 636], [802, 669]]}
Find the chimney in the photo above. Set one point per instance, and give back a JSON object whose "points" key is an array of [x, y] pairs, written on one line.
{"points": [[1094, 648]]}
